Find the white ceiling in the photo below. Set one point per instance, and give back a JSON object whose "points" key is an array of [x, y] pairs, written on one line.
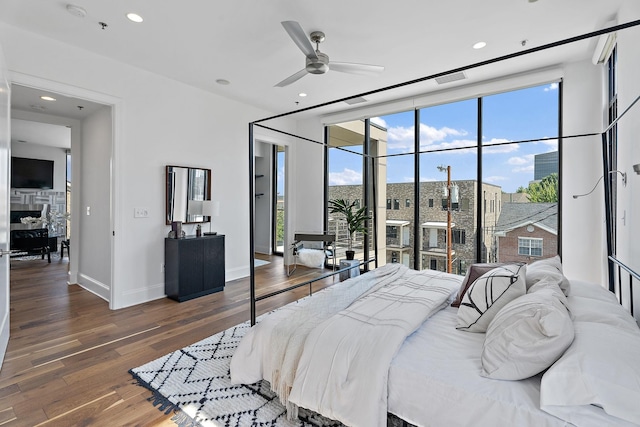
{"points": [[25, 131], [199, 41]]}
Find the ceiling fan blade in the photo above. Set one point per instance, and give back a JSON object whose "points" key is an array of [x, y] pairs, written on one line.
{"points": [[299, 37], [362, 69], [293, 78]]}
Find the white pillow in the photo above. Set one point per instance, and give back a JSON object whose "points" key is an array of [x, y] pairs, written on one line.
{"points": [[488, 294], [527, 336], [600, 368], [591, 290], [593, 310], [547, 268], [550, 284]]}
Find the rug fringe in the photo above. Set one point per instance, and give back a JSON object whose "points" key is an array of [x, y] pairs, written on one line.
{"points": [[165, 405]]}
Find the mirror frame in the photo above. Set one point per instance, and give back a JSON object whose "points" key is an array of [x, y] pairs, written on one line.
{"points": [[207, 195]]}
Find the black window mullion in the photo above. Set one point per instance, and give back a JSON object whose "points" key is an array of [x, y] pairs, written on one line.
{"points": [[479, 194]]}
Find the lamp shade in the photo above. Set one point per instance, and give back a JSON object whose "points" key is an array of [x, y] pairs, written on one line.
{"points": [[194, 207], [210, 208]]}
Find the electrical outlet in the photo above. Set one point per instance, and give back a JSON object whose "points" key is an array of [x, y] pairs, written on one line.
{"points": [[88, 210], [140, 212], [162, 267]]}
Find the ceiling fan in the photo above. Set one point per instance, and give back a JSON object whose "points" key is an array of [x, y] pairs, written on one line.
{"points": [[318, 62]]}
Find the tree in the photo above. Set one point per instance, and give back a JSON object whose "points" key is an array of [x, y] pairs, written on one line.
{"points": [[545, 191]]}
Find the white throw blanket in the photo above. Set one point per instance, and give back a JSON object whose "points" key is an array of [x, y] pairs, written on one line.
{"points": [[399, 298], [342, 373], [272, 348]]}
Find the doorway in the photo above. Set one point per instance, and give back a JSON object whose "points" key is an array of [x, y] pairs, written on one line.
{"points": [[270, 198], [81, 191], [278, 199]]}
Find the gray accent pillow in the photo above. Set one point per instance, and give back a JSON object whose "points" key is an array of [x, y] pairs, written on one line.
{"points": [[488, 294], [473, 272]]}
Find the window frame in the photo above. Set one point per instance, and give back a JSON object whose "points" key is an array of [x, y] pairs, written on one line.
{"points": [[530, 246]]}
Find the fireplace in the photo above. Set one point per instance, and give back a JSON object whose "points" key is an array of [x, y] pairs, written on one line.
{"points": [[16, 215], [22, 210]]}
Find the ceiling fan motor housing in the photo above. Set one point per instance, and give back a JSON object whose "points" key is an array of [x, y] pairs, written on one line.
{"points": [[318, 66]]}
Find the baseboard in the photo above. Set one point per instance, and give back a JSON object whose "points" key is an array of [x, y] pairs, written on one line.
{"points": [[139, 296], [236, 273], [94, 286]]}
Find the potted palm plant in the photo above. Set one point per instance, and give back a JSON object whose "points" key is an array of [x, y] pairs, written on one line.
{"points": [[355, 218]]}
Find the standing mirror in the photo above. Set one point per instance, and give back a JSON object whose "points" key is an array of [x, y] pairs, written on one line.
{"points": [[187, 188]]}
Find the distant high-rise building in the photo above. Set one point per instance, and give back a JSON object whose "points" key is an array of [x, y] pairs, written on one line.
{"points": [[544, 165]]}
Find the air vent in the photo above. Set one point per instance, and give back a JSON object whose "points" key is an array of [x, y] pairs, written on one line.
{"points": [[353, 101], [451, 78]]}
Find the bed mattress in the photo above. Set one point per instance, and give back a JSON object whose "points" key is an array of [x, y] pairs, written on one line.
{"points": [[434, 380]]}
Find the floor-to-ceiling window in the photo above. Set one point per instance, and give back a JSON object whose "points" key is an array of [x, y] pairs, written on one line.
{"points": [[448, 187], [488, 179], [345, 179], [279, 156], [396, 186]]}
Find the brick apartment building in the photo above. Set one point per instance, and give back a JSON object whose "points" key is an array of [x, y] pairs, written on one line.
{"points": [[399, 226], [527, 231]]}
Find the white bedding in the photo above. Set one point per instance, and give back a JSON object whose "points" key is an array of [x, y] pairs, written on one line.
{"points": [[271, 349], [434, 380], [342, 373]]}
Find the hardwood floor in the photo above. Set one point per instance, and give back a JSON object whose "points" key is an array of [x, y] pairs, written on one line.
{"points": [[68, 356]]}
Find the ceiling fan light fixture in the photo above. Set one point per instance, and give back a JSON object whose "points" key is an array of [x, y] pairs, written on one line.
{"points": [[134, 17], [318, 66], [76, 10]]}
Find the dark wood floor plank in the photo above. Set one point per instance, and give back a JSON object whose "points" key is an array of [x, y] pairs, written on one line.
{"points": [[68, 356]]}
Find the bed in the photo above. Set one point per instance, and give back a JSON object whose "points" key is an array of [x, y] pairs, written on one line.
{"points": [[338, 353]]}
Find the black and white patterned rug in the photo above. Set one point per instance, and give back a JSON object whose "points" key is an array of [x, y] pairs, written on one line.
{"points": [[194, 382]]}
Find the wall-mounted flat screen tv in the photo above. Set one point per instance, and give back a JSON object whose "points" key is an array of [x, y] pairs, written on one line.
{"points": [[31, 173]]}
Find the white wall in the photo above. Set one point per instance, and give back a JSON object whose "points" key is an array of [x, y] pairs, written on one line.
{"points": [[583, 234], [263, 211], [94, 236], [158, 122]]}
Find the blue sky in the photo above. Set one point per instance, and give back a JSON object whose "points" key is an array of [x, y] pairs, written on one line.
{"points": [[512, 116]]}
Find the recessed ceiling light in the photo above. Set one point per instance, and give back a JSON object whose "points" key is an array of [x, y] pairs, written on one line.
{"points": [[134, 17], [76, 11], [47, 98], [302, 94], [223, 82], [479, 45]]}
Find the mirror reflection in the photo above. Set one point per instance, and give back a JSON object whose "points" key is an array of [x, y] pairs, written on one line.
{"points": [[187, 188]]}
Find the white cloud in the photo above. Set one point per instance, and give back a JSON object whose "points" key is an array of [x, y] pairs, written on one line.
{"points": [[517, 161], [522, 163], [378, 121], [527, 169], [495, 178], [497, 149], [551, 87], [401, 138], [346, 177]]}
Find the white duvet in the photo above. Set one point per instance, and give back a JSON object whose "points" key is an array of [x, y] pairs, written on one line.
{"points": [[331, 353]]}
